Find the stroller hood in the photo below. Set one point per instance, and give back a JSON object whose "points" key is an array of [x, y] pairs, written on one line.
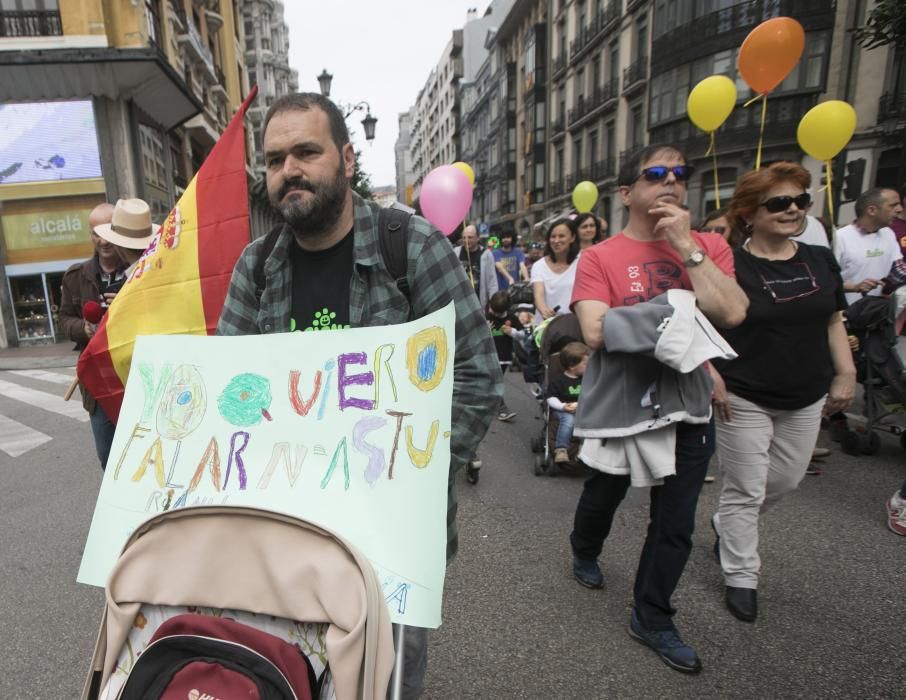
{"points": [[263, 562]]}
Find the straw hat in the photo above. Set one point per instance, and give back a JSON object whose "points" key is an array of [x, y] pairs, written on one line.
{"points": [[131, 226]]}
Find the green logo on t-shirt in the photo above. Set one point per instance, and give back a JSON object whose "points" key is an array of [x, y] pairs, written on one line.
{"points": [[322, 321], [575, 390]]}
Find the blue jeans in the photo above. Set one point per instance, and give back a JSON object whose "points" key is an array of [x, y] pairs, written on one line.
{"points": [[565, 423], [103, 431], [670, 525]]}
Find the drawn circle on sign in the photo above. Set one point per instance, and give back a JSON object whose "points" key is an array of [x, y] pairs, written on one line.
{"points": [[426, 358], [182, 406]]}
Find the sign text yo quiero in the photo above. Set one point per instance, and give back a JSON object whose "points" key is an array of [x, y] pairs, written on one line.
{"points": [[349, 429]]}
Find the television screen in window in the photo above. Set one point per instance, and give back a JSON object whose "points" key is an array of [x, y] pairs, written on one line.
{"points": [[47, 141]]}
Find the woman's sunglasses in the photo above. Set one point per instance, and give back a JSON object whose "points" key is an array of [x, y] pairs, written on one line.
{"points": [[775, 205], [656, 173]]}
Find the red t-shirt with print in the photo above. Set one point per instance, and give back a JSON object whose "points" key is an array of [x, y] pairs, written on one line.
{"points": [[622, 271]]}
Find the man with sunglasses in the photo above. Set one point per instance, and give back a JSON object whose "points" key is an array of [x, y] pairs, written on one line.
{"points": [[655, 252]]}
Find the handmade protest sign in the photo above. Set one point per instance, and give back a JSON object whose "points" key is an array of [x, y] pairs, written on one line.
{"points": [[347, 429]]}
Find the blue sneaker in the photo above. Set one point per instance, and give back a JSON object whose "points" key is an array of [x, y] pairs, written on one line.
{"points": [[666, 644], [588, 573]]}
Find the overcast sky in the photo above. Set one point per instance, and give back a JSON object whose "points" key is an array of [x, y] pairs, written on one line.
{"points": [[380, 52]]}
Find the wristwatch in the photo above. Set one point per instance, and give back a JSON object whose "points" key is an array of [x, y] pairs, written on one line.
{"points": [[696, 258]]}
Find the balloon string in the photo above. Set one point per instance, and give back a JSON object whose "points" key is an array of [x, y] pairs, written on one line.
{"points": [[830, 200], [764, 112], [469, 258], [713, 151]]}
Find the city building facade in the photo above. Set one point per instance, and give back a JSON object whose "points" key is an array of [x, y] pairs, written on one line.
{"points": [[571, 89], [267, 60], [405, 175], [436, 122], [106, 99]]}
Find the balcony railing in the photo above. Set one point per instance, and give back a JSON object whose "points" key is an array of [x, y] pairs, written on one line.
{"points": [[726, 28], [604, 169], [636, 74], [196, 48], [603, 95], [783, 116], [558, 125], [892, 106], [559, 64], [589, 33], [18, 23]]}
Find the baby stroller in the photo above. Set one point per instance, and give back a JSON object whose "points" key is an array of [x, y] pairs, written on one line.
{"points": [[226, 569], [881, 368], [555, 335]]}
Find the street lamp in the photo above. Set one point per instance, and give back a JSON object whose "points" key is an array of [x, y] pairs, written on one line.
{"points": [[368, 123], [324, 82]]}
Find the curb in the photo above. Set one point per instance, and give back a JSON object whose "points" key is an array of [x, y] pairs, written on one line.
{"points": [[37, 362]]}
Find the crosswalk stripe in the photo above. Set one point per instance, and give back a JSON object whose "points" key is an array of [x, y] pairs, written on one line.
{"points": [[17, 439], [44, 401], [44, 375]]}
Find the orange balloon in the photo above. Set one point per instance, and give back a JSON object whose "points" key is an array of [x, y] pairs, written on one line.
{"points": [[770, 52]]}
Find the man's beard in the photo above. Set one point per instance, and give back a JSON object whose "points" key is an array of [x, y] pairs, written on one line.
{"points": [[313, 216]]}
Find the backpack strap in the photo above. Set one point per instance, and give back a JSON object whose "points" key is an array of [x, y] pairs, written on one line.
{"points": [[270, 240], [393, 231]]}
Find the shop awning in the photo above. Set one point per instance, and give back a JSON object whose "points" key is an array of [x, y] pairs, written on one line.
{"points": [[142, 75]]}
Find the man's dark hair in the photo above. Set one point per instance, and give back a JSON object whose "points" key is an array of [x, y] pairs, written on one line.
{"points": [[500, 302], [869, 198], [306, 101], [507, 232], [630, 170]]}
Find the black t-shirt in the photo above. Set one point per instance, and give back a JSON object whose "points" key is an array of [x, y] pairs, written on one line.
{"points": [[472, 258], [565, 388], [784, 359], [321, 286], [503, 342]]}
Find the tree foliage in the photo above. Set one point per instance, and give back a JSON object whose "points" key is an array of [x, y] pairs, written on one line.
{"points": [[886, 25], [361, 181]]}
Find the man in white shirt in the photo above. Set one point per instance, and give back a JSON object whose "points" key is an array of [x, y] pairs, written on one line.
{"points": [[867, 248], [813, 233]]}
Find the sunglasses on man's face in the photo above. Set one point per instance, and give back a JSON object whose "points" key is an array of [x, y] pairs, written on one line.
{"points": [[775, 205], [656, 173]]}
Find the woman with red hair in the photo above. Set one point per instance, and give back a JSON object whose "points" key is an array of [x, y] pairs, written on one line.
{"points": [[794, 362]]}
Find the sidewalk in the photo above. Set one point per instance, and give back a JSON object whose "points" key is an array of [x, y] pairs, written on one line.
{"points": [[38, 356]]}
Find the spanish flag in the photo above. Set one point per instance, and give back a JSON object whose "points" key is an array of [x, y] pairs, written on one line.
{"points": [[181, 280]]}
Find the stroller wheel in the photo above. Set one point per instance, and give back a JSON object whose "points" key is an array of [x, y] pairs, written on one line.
{"points": [[903, 441], [537, 446], [539, 465], [871, 443], [851, 443]]}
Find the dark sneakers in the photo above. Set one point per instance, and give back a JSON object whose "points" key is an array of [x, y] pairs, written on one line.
{"points": [[588, 573], [667, 644]]}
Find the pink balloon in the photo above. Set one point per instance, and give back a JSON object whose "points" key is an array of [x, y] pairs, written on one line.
{"points": [[445, 197]]}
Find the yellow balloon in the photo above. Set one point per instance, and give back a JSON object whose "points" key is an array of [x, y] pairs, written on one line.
{"points": [[825, 129], [585, 196], [467, 169], [711, 102]]}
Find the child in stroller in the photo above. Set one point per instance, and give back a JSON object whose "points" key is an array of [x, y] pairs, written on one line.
{"points": [[556, 335], [563, 396]]}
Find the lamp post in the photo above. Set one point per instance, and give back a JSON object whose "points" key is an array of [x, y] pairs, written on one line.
{"points": [[368, 123]]}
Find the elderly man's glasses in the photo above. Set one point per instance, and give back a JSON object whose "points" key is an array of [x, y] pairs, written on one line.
{"points": [[775, 205], [656, 173]]}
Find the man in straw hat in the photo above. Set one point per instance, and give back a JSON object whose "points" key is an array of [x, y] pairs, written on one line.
{"points": [[119, 234]]}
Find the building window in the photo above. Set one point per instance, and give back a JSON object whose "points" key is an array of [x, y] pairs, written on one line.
{"points": [[593, 146], [610, 131], [153, 163], [152, 17], [641, 41], [636, 127], [30, 18], [577, 154], [615, 61]]}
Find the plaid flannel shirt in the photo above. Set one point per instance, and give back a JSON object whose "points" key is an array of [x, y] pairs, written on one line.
{"points": [[435, 278]]}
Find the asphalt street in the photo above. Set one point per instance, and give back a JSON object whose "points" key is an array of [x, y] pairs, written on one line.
{"points": [[516, 625]]}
